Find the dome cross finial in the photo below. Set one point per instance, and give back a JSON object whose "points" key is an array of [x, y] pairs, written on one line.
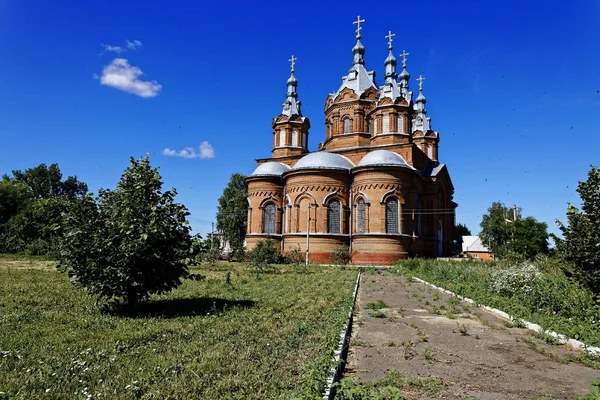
{"points": [[390, 39], [420, 79], [404, 55], [358, 28], [293, 61]]}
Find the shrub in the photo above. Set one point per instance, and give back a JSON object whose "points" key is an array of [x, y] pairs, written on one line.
{"points": [[130, 242], [342, 255], [514, 280], [296, 257], [265, 254]]}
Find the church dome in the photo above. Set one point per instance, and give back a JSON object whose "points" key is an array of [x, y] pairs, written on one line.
{"points": [[383, 158], [323, 160], [270, 169]]}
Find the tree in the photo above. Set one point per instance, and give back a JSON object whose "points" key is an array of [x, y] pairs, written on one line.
{"points": [[46, 182], [530, 238], [459, 231], [14, 197], [526, 237], [128, 243], [232, 213], [496, 231], [581, 236]]}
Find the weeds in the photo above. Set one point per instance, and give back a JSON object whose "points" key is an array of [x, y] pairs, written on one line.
{"points": [[408, 349], [429, 355], [378, 305], [463, 329]]}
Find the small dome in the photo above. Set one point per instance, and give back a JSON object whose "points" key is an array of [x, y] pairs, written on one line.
{"points": [[421, 98], [270, 169], [323, 160], [404, 75], [383, 157], [390, 59]]}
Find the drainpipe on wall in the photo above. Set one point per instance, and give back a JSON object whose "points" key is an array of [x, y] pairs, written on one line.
{"points": [[350, 225], [307, 232]]}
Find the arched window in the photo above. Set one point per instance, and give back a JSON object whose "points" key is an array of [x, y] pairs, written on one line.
{"points": [[400, 124], [369, 125], [392, 216], [347, 125], [269, 218], [360, 216], [282, 138], [375, 126], [334, 216], [295, 138], [429, 151], [304, 140], [386, 124]]}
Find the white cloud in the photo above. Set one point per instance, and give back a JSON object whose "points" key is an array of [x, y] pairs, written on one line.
{"points": [[205, 151], [119, 74], [110, 48], [133, 44], [129, 45]]}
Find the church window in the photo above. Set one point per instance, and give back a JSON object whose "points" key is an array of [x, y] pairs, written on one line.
{"points": [[376, 127], [386, 124], [429, 151], [334, 214], [369, 125], [347, 125], [360, 216], [295, 138], [392, 216], [282, 138], [304, 140], [400, 124], [269, 215]]}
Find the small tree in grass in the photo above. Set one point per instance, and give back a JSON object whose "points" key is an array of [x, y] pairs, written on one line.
{"points": [[264, 255], [128, 243], [342, 255], [296, 257]]}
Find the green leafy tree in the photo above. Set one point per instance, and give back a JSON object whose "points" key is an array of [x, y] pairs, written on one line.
{"points": [[581, 236], [496, 227], [507, 236], [530, 237], [264, 254], [46, 182], [130, 242], [14, 197], [232, 213], [459, 231]]}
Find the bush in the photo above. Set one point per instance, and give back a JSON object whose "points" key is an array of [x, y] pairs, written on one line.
{"points": [[296, 257], [518, 279], [130, 242], [265, 254], [342, 255]]}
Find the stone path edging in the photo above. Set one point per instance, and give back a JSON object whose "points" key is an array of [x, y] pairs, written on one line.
{"points": [[342, 349], [574, 344]]}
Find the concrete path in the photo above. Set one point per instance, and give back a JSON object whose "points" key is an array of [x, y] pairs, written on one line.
{"points": [[424, 334]]}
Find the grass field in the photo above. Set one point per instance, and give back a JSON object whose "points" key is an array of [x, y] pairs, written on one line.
{"points": [[545, 296], [270, 338]]}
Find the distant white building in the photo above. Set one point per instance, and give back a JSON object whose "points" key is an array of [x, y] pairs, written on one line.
{"points": [[473, 247]]}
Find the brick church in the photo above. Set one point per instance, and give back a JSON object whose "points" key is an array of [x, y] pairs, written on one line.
{"points": [[375, 184]]}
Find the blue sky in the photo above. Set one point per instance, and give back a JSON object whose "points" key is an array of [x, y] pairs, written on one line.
{"points": [[513, 88]]}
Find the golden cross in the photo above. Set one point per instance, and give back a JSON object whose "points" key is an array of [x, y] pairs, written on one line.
{"points": [[403, 55], [420, 79], [358, 28], [293, 60], [389, 36]]}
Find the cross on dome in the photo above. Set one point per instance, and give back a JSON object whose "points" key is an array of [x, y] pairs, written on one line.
{"points": [[293, 61], [358, 28], [420, 79], [390, 36], [403, 55]]}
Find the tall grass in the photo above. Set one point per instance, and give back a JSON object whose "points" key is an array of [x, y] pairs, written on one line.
{"points": [[548, 297]]}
